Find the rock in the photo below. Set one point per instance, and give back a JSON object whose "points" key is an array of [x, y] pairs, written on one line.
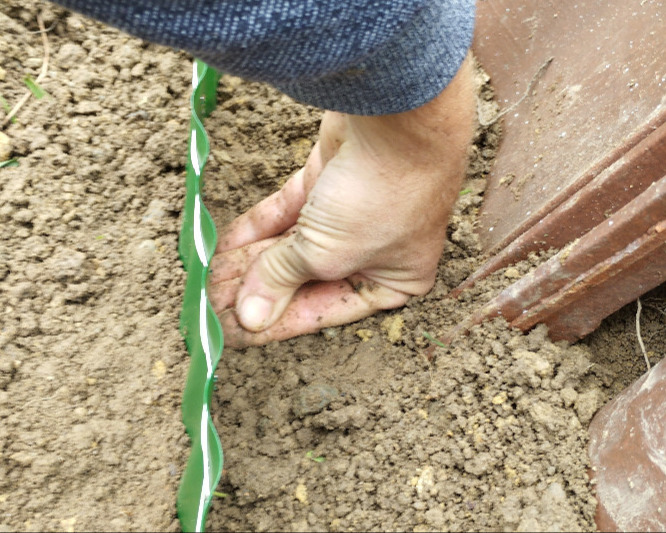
{"points": [[68, 524], [552, 513], [5, 147], [77, 292], [627, 453], [157, 210], [159, 369], [464, 235], [70, 54], [330, 333], [139, 169], [125, 56], [313, 399], [479, 464], [435, 518], [87, 107], [34, 63], [146, 249], [23, 458], [529, 368], [538, 364], [6, 211], [74, 24], [24, 216], [48, 16], [392, 326], [364, 334], [425, 482], [22, 290], [510, 511], [67, 264], [46, 465], [301, 493], [350, 416], [138, 70], [568, 396], [587, 404], [545, 414]]}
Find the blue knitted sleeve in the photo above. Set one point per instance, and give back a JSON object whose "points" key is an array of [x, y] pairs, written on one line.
{"points": [[367, 57]]}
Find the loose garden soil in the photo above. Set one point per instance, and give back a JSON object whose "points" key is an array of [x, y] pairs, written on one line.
{"points": [[355, 428]]}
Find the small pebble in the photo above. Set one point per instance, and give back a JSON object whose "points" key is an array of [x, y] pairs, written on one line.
{"points": [[5, 145], [301, 494], [313, 399], [364, 334]]}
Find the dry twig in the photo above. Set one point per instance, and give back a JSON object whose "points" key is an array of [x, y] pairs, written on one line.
{"points": [[42, 73], [639, 307]]}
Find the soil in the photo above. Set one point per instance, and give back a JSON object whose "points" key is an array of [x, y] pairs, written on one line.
{"points": [[356, 428]]}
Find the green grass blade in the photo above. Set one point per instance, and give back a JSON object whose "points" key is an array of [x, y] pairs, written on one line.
{"points": [[37, 91], [13, 162], [434, 340], [5, 105]]}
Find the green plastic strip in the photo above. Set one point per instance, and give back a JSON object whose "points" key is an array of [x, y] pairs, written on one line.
{"points": [[198, 323]]}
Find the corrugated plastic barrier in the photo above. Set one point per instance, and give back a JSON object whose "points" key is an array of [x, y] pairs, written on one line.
{"points": [[198, 323]]}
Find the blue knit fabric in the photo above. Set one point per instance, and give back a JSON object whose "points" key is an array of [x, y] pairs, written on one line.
{"points": [[367, 57]]}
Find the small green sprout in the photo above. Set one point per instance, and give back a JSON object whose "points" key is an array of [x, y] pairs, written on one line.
{"points": [[434, 340], [37, 91], [464, 192], [311, 455], [5, 105], [13, 162], [220, 494]]}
